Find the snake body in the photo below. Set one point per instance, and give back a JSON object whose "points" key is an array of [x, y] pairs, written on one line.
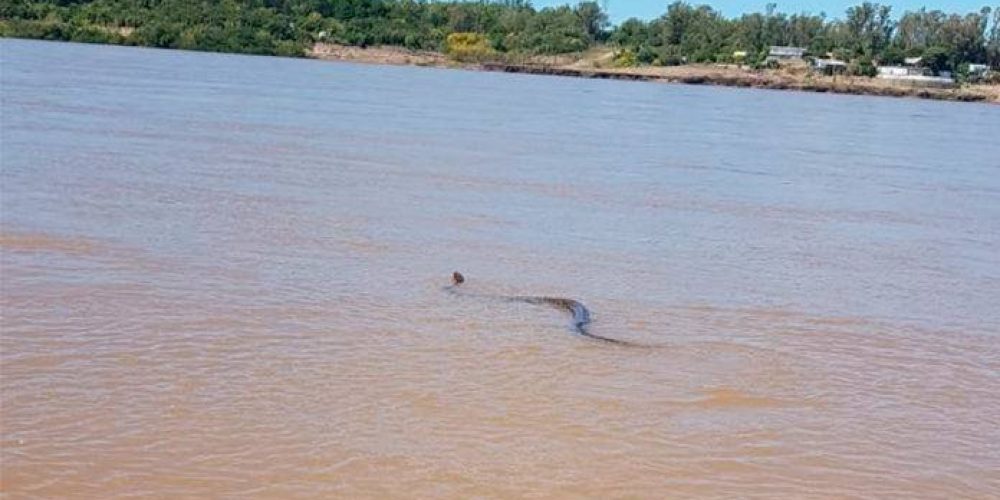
{"points": [[578, 311]]}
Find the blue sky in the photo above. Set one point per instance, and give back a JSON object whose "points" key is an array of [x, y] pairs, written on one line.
{"points": [[649, 9]]}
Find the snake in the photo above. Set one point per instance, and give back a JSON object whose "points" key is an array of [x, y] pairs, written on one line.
{"points": [[580, 314]]}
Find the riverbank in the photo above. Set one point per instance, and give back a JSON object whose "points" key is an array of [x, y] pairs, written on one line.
{"points": [[596, 64]]}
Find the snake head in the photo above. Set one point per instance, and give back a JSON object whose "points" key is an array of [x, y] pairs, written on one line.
{"points": [[457, 278]]}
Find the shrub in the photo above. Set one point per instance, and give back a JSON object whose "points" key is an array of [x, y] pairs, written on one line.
{"points": [[646, 55], [862, 66], [469, 47], [626, 59]]}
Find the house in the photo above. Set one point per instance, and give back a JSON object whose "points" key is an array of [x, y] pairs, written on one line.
{"points": [[780, 53], [978, 69], [912, 73], [829, 66], [911, 67], [909, 75], [901, 71]]}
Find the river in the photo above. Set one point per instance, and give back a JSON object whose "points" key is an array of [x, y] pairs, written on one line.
{"points": [[223, 276]]}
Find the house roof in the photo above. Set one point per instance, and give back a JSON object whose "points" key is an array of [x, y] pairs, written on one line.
{"points": [[830, 62], [777, 50]]}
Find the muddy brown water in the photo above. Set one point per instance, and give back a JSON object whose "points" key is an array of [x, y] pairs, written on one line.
{"points": [[222, 276]]}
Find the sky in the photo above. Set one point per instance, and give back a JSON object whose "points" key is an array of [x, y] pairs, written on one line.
{"points": [[621, 10]]}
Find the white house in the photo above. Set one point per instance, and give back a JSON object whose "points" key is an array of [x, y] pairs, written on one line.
{"points": [[829, 66], [914, 76], [893, 71], [978, 69], [781, 53]]}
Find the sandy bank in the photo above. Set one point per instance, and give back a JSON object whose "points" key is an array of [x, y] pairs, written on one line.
{"points": [[593, 66], [379, 55]]}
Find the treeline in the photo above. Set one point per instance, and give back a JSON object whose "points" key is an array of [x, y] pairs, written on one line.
{"points": [[290, 27], [868, 33]]}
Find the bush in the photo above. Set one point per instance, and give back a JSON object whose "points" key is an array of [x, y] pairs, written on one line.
{"points": [[671, 56], [288, 48], [93, 34], [626, 59], [469, 47], [862, 66], [646, 55], [892, 56]]}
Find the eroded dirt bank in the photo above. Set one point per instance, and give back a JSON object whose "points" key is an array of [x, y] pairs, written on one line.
{"points": [[594, 65]]}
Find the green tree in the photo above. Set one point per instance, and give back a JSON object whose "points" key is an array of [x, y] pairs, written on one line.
{"points": [[936, 58], [870, 27], [993, 41], [593, 20]]}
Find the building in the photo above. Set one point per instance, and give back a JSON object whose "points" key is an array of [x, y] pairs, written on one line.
{"points": [[829, 66], [780, 53], [910, 68], [915, 76], [900, 71], [978, 69]]}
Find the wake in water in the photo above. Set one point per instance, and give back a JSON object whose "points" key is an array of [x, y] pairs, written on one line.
{"points": [[579, 312]]}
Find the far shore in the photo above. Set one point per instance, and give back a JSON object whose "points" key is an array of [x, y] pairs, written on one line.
{"points": [[594, 64]]}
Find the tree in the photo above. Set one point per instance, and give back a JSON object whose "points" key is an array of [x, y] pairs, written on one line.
{"points": [[892, 56], [593, 20], [870, 26], [936, 58], [993, 42], [918, 30]]}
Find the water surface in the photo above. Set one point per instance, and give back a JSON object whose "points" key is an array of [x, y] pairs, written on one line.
{"points": [[221, 275]]}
